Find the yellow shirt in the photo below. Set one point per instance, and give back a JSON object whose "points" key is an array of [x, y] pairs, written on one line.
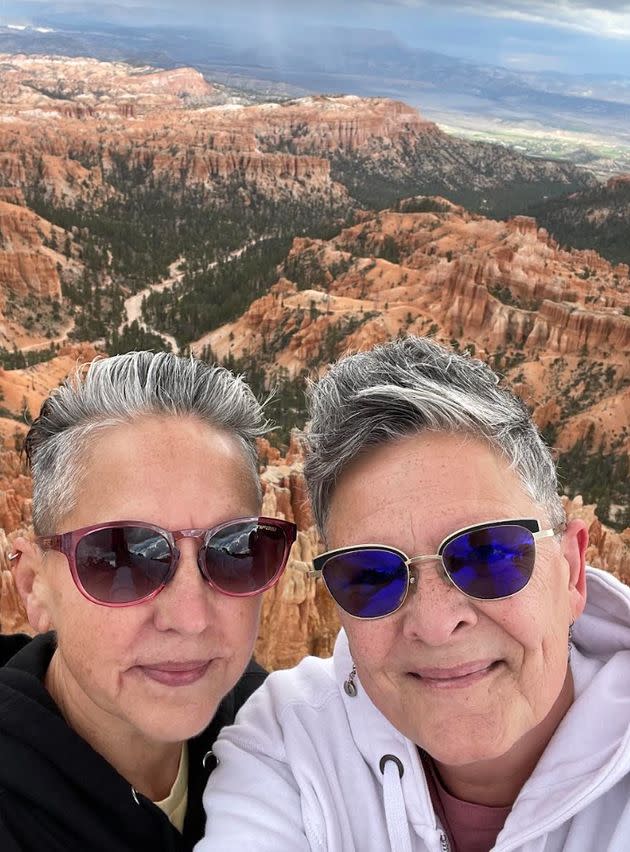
{"points": [[175, 804]]}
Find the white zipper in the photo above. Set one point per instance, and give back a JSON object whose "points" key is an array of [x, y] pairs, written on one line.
{"points": [[444, 844]]}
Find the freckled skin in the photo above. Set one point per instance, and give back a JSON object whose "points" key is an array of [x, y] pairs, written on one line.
{"points": [[410, 494]]}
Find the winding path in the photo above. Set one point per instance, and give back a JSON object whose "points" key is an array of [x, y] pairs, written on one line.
{"points": [[62, 337], [133, 305]]}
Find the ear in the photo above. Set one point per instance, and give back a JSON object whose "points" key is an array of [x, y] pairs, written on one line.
{"points": [[574, 544], [28, 574]]}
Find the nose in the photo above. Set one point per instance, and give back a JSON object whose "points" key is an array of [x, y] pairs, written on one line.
{"points": [[435, 609], [186, 603]]}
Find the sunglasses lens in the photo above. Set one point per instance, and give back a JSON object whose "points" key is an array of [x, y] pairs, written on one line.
{"points": [[246, 557], [122, 564], [492, 562], [367, 583]]}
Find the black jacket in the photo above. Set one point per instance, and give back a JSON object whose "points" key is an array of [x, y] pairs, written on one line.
{"points": [[59, 795]]}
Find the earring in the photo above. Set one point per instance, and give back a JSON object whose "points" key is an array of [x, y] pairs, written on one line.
{"points": [[570, 639], [349, 685]]}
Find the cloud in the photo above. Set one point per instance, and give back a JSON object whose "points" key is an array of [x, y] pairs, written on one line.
{"points": [[608, 23], [610, 18], [539, 6], [603, 18]]}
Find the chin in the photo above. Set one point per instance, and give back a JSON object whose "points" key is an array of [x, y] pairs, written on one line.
{"points": [[463, 757], [461, 751], [175, 725]]}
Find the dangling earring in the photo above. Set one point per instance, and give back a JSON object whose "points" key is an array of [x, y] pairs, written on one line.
{"points": [[349, 685], [570, 639]]}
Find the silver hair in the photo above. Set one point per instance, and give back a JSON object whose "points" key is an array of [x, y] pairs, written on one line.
{"points": [[120, 389], [412, 385]]}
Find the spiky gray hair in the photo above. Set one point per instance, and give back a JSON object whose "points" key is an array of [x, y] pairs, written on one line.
{"points": [[412, 385], [112, 391]]}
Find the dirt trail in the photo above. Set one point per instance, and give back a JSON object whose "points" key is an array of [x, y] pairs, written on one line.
{"points": [[133, 305], [44, 344]]}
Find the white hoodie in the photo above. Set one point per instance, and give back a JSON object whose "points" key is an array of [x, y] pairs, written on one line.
{"points": [[299, 770]]}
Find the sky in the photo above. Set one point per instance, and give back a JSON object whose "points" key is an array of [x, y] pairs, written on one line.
{"points": [[572, 36]]}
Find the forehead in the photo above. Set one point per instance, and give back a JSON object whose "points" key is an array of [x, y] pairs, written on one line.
{"points": [[172, 471], [421, 488]]}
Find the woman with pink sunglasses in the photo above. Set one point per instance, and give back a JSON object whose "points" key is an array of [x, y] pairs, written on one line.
{"points": [[144, 586]]}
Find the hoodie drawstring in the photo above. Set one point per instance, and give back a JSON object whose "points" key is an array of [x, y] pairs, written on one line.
{"points": [[394, 802]]}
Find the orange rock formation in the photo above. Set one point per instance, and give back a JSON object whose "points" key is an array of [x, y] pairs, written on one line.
{"points": [[81, 114], [88, 88], [554, 321], [27, 265]]}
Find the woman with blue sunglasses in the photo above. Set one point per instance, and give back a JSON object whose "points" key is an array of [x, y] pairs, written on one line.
{"points": [[144, 584], [478, 697]]}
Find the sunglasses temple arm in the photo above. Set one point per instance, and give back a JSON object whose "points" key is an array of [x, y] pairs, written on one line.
{"points": [[545, 533], [306, 569], [51, 542]]}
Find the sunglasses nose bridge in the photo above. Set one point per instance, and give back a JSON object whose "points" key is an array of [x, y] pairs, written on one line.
{"points": [[434, 557], [414, 565], [196, 535]]}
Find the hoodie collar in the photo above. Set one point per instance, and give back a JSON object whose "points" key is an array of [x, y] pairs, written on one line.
{"points": [[584, 758]]}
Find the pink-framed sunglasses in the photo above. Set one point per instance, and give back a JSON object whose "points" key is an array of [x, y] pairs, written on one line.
{"points": [[122, 563]]}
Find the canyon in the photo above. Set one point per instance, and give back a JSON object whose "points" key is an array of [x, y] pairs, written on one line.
{"points": [[119, 183], [86, 145], [79, 112], [81, 115], [553, 321]]}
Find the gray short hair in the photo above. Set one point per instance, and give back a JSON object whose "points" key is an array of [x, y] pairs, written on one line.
{"points": [[411, 385], [117, 390]]}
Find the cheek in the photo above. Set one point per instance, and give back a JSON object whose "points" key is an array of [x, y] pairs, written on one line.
{"points": [[522, 628], [538, 646], [97, 643], [372, 643], [534, 618], [57, 590], [239, 624], [97, 635]]}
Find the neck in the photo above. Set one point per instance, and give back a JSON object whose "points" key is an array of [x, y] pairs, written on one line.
{"points": [[498, 782], [150, 767]]}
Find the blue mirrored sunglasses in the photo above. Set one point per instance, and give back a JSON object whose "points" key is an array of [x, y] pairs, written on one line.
{"points": [[487, 562]]}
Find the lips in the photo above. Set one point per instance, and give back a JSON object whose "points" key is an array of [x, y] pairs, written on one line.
{"points": [[456, 677], [175, 672]]}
